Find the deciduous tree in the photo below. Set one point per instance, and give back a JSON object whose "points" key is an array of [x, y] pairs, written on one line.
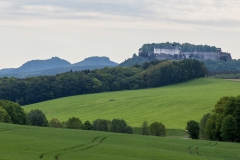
{"points": [[157, 129], [37, 118], [193, 129]]}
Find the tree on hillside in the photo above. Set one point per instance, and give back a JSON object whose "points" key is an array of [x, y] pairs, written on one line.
{"points": [[120, 126], [4, 117], [203, 124], [193, 129], [74, 123], [101, 125], [145, 128], [55, 123], [157, 129], [87, 126], [15, 112], [37, 118], [229, 128], [222, 120]]}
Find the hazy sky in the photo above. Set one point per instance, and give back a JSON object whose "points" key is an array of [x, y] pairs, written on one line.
{"points": [[76, 29]]}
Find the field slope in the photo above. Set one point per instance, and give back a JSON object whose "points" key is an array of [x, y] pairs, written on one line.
{"points": [[29, 143], [173, 105]]}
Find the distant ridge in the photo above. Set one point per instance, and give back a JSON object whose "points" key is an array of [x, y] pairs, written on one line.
{"points": [[54, 66], [95, 60], [38, 65]]}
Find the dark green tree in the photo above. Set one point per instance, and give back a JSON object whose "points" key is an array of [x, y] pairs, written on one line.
{"points": [[87, 126], [157, 129], [128, 130], [15, 112], [229, 128], [202, 126], [37, 118], [101, 125], [74, 123], [145, 128], [120, 126], [193, 129]]}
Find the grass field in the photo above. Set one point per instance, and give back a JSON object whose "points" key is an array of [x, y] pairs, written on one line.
{"points": [[172, 105], [30, 143]]}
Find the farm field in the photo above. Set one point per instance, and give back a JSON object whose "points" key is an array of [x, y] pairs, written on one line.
{"points": [[28, 143], [172, 105]]}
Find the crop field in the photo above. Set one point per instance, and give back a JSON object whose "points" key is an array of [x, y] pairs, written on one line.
{"points": [[29, 143], [172, 105]]}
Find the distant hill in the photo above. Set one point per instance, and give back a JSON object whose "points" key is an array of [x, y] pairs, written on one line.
{"points": [[133, 61], [54, 66], [38, 65], [6, 70], [96, 61]]}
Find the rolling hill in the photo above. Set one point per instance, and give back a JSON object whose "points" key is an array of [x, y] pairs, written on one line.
{"points": [[28, 143], [54, 66], [172, 105]]}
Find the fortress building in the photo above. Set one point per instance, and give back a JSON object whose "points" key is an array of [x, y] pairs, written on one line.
{"points": [[174, 53]]}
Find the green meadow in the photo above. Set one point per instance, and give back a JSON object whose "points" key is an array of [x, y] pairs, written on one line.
{"points": [[29, 143], [172, 105]]}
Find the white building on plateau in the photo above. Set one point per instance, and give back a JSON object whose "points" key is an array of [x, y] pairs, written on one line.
{"points": [[171, 50]]}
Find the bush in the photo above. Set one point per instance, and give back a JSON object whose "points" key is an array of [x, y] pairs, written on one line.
{"points": [[37, 118], [74, 123], [193, 129], [87, 126], [101, 125], [128, 130], [120, 126], [157, 129], [55, 123]]}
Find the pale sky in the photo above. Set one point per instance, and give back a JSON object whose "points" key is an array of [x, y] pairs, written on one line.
{"points": [[76, 29]]}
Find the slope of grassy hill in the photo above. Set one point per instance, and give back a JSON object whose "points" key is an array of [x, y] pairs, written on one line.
{"points": [[172, 105], [28, 143]]}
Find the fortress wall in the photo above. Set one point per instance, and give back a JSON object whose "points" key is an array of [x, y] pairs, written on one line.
{"points": [[211, 55], [202, 55], [162, 56]]}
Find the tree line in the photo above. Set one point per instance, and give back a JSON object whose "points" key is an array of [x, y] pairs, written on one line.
{"points": [[222, 67], [151, 74], [11, 112], [223, 124]]}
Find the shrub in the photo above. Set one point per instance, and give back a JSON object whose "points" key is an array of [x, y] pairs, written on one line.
{"points": [[74, 123], [193, 129], [120, 126], [157, 129], [37, 118], [55, 123], [87, 126], [101, 125]]}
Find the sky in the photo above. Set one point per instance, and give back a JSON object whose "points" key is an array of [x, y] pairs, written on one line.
{"points": [[77, 29]]}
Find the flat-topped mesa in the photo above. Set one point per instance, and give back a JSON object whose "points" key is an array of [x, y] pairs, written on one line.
{"points": [[174, 52]]}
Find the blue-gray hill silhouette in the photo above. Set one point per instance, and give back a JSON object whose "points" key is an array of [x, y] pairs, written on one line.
{"points": [[38, 65]]}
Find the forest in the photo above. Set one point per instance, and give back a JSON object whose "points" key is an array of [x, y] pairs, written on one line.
{"points": [[151, 74]]}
